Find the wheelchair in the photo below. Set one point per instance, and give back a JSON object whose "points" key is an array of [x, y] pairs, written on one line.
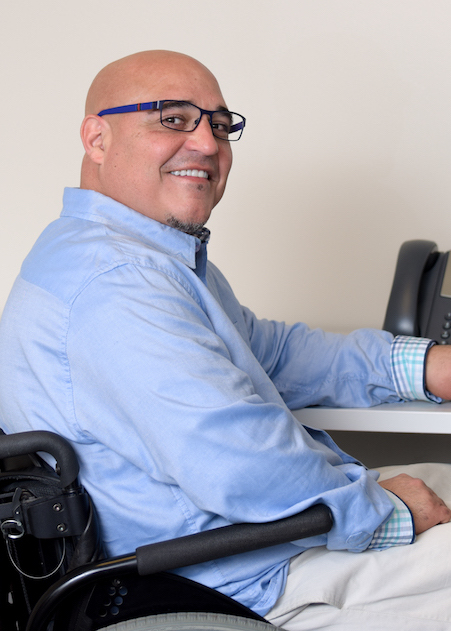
{"points": [[55, 576]]}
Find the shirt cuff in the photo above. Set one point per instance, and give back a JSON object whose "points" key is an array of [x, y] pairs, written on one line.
{"points": [[408, 358], [397, 530]]}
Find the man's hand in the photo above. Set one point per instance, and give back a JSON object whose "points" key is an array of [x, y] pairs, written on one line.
{"points": [[426, 507], [438, 371]]}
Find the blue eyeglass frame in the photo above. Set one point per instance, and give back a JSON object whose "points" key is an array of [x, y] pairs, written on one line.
{"points": [[157, 105]]}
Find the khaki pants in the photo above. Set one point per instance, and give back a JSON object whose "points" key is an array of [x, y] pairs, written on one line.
{"points": [[405, 588]]}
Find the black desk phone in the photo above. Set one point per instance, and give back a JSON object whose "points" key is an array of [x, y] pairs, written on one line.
{"points": [[420, 299]]}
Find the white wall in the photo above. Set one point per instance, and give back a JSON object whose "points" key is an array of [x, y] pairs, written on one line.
{"points": [[347, 152]]}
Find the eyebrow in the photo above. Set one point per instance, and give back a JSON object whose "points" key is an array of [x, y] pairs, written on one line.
{"points": [[225, 110], [169, 102], [220, 108]]}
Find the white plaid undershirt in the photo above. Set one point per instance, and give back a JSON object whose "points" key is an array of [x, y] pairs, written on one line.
{"points": [[408, 356], [398, 530]]}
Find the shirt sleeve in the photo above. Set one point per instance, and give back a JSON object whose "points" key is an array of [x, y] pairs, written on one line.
{"points": [[408, 357], [397, 530]]}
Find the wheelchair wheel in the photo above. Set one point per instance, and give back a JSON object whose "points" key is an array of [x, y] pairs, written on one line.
{"points": [[190, 622]]}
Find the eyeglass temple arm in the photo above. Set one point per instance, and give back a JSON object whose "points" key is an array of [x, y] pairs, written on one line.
{"points": [[238, 126], [136, 107]]}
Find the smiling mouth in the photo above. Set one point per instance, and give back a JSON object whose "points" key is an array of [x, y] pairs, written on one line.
{"points": [[191, 173]]}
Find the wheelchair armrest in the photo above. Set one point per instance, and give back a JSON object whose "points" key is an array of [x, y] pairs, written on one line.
{"points": [[230, 540]]}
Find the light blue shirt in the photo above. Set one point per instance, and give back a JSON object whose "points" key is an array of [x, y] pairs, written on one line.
{"points": [[120, 336]]}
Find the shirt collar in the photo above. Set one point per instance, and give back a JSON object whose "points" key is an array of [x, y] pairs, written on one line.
{"points": [[93, 206]]}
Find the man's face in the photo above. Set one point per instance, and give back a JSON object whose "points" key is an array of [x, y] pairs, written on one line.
{"points": [[144, 163]]}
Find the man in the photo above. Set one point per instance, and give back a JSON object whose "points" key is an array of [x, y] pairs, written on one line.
{"points": [[119, 335]]}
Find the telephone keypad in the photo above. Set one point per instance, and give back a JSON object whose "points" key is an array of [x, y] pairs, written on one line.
{"points": [[446, 334]]}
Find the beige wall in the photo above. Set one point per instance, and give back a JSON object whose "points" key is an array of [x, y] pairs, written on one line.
{"points": [[347, 152]]}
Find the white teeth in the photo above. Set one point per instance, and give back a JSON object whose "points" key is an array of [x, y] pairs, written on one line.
{"points": [[192, 173]]}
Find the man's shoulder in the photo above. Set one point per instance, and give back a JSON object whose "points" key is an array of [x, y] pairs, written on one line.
{"points": [[71, 253]]}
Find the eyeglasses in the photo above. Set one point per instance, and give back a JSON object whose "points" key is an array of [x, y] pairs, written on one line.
{"points": [[184, 116]]}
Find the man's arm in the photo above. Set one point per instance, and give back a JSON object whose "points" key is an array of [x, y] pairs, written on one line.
{"points": [[314, 367], [410, 357], [426, 507]]}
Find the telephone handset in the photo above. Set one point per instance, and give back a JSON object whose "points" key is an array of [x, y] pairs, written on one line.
{"points": [[420, 299]]}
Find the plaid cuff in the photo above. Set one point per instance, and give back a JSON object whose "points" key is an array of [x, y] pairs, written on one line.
{"points": [[408, 357], [399, 528]]}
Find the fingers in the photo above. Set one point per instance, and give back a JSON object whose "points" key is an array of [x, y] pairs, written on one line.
{"points": [[446, 512]]}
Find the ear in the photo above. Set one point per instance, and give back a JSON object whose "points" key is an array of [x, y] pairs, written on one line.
{"points": [[93, 132]]}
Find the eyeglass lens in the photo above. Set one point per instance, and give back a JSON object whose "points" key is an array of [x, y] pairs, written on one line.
{"points": [[184, 116]]}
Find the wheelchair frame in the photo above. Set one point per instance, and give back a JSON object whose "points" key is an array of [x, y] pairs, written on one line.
{"points": [[47, 520]]}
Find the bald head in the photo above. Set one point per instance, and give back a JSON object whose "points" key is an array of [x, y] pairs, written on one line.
{"points": [[131, 79], [132, 158]]}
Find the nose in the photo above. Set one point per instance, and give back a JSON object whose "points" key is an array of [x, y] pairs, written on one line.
{"points": [[202, 139]]}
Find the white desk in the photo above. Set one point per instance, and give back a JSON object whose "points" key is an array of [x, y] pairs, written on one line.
{"points": [[413, 417]]}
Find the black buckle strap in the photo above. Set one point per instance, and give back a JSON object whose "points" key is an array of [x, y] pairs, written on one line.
{"points": [[62, 515]]}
